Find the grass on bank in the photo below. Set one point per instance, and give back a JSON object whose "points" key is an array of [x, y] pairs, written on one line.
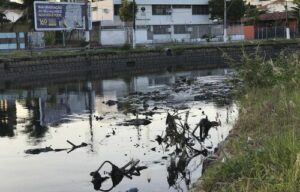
{"points": [[36, 53], [263, 152]]}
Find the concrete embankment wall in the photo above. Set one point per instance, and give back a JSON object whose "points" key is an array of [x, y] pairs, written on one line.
{"points": [[114, 65]]}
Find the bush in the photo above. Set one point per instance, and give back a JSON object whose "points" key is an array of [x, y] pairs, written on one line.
{"points": [[126, 46], [83, 43], [257, 71], [49, 38], [207, 37]]}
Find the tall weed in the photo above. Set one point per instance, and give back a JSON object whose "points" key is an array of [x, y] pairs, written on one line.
{"points": [[255, 70], [263, 154]]}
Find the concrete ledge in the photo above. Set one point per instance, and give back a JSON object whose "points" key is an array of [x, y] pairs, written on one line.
{"points": [[114, 65]]}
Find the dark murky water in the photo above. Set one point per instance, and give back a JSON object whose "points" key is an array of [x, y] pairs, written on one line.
{"points": [[48, 116]]}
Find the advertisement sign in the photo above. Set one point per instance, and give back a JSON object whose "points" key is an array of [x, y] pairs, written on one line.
{"points": [[49, 16]]}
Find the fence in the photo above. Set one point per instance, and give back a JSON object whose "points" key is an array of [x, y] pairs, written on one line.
{"points": [[261, 32], [112, 36], [12, 41]]}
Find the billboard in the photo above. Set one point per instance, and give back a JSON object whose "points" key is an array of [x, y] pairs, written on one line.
{"points": [[50, 16]]}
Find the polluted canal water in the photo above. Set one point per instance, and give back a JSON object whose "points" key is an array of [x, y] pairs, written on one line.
{"points": [[144, 131]]}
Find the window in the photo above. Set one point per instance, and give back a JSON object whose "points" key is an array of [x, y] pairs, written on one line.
{"points": [[161, 29], [200, 10], [180, 29], [181, 6], [116, 9], [161, 9]]}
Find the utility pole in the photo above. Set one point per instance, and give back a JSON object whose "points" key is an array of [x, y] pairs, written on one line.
{"points": [[133, 27], [87, 30], [287, 29], [225, 23]]}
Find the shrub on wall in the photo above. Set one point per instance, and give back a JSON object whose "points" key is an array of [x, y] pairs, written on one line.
{"points": [[49, 38]]}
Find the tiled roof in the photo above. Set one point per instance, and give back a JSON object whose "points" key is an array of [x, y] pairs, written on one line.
{"points": [[274, 16]]}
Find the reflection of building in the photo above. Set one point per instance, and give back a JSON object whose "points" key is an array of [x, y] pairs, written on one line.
{"points": [[52, 105], [121, 87], [8, 118], [66, 104], [39, 108]]}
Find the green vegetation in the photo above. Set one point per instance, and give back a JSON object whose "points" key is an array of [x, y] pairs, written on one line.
{"points": [[3, 19], [252, 14], [49, 38], [127, 11], [296, 12], [235, 9], [127, 14], [263, 152]]}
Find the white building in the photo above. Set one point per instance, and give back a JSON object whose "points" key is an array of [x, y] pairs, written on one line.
{"points": [[160, 21]]}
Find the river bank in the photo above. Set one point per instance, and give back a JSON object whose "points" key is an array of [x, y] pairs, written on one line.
{"points": [[108, 63], [263, 151], [57, 52]]}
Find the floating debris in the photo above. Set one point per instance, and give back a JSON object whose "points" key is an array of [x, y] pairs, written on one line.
{"points": [[133, 190], [98, 118], [136, 122], [205, 125], [111, 102], [39, 150], [116, 174], [50, 149]]}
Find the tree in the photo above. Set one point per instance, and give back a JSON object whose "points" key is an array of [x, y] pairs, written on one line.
{"points": [[28, 11], [27, 7], [127, 11], [3, 19], [252, 14], [6, 4], [235, 9], [127, 14], [296, 12]]}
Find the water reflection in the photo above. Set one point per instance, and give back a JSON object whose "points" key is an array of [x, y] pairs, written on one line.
{"points": [[8, 118], [45, 107], [35, 128], [42, 119]]}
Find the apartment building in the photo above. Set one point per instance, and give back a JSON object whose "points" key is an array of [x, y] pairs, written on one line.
{"points": [[160, 21]]}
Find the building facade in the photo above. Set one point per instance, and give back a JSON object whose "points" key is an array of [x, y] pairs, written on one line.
{"points": [[161, 21]]}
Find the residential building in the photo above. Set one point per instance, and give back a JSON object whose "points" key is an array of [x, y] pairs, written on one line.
{"points": [[161, 21]]}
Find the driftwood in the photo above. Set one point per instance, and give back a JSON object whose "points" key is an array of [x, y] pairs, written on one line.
{"points": [[116, 175], [50, 149], [42, 150], [186, 145], [205, 125], [76, 146], [136, 122]]}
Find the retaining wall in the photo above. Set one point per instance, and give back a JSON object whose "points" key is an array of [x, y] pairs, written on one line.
{"points": [[114, 65]]}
